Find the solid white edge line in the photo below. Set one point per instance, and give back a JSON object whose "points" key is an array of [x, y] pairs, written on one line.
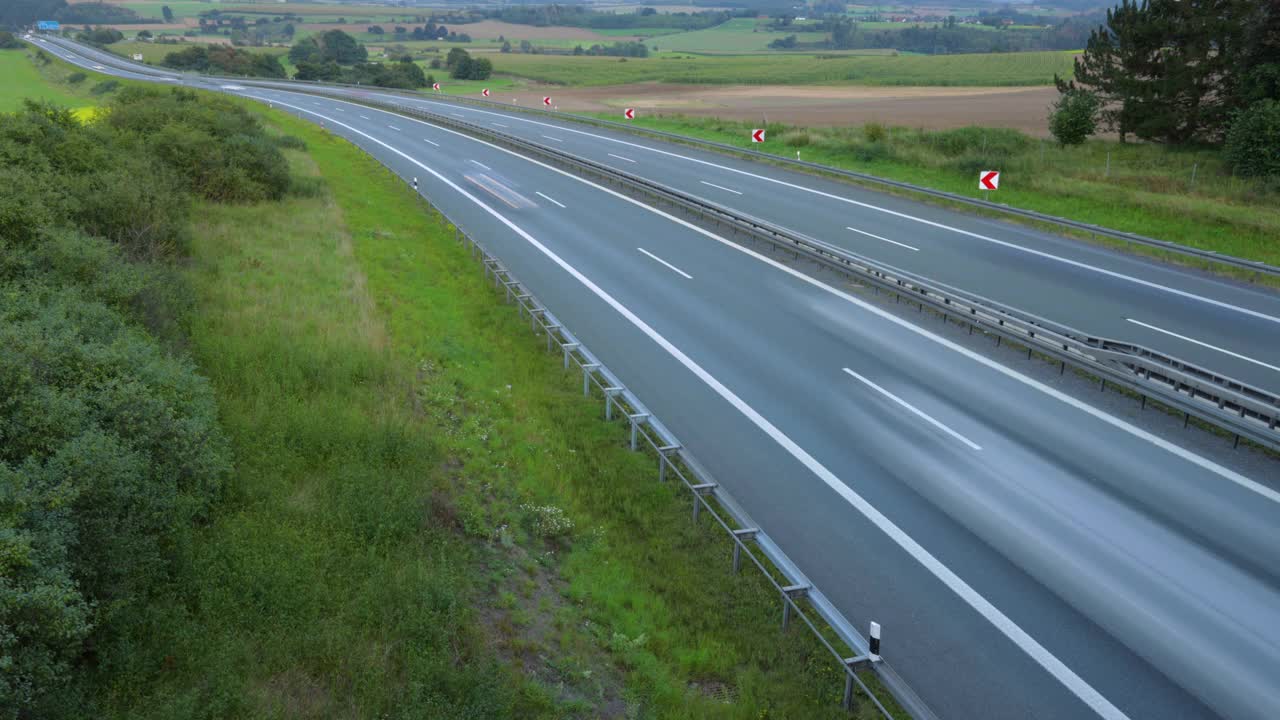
{"points": [[885, 239], [905, 216], [720, 187], [673, 268], [1224, 351], [1037, 652], [916, 411], [486, 167], [622, 158], [548, 197]]}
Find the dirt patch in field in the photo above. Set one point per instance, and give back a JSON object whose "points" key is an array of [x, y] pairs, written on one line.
{"points": [[1024, 109]]}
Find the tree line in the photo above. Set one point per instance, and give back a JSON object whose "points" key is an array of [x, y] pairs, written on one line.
{"points": [[1182, 72]]}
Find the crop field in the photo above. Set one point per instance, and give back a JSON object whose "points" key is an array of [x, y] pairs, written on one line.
{"points": [[998, 70], [735, 36]]}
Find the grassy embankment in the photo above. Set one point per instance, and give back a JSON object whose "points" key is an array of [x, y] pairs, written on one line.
{"points": [[1007, 69], [27, 79], [1142, 188], [385, 546]]}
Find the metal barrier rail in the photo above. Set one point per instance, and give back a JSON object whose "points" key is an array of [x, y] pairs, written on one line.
{"points": [[674, 459], [1240, 409], [1165, 245]]}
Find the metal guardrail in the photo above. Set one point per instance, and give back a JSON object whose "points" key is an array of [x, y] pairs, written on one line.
{"points": [[648, 434], [1236, 407]]}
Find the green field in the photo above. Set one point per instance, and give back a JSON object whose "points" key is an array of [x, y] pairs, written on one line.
{"points": [[735, 36], [1009, 69], [317, 12], [1137, 187]]}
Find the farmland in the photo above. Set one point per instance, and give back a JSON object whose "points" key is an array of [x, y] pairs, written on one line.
{"points": [[737, 35], [1009, 69]]}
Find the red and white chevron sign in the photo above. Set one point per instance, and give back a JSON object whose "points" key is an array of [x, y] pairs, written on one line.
{"points": [[989, 180], [757, 135], [485, 92], [546, 101], [435, 86], [629, 113]]}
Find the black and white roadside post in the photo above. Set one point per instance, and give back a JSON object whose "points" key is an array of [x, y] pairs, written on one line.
{"points": [[874, 650], [853, 664], [415, 184]]}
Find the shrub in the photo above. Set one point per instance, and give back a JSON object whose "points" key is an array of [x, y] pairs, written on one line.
{"points": [[76, 78], [1074, 117], [1253, 140], [104, 87], [874, 132]]}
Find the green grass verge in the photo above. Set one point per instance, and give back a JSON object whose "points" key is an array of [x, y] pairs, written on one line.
{"points": [[998, 69], [385, 549], [24, 79], [1141, 188]]}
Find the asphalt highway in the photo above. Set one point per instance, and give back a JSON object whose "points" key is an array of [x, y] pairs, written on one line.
{"points": [[1029, 555]]}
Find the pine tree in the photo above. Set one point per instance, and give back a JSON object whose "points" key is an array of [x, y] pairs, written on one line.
{"points": [[1170, 70]]}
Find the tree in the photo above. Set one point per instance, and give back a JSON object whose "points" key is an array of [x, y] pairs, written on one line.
{"points": [[19, 13], [1074, 117], [341, 48], [1168, 70], [376, 30], [1253, 141], [167, 13], [455, 56], [144, 35], [506, 46]]}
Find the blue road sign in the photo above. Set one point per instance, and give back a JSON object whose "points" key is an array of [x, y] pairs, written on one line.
{"points": [[48, 25]]}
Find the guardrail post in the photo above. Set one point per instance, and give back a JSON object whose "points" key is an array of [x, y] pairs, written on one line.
{"points": [[664, 453], [741, 536], [551, 330], [789, 593], [586, 377], [699, 491], [609, 393], [635, 420], [568, 349], [851, 666]]}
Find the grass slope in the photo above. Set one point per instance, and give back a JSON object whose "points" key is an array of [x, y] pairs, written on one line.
{"points": [[1005, 69], [387, 548], [23, 79]]}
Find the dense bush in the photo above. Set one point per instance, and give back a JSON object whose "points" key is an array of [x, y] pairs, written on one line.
{"points": [[110, 452], [1253, 140], [225, 60], [1074, 117], [9, 42], [101, 36], [94, 13]]}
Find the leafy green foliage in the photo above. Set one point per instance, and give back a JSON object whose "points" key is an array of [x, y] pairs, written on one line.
{"points": [[9, 42], [226, 60], [330, 46], [1175, 71], [1253, 141], [1074, 117], [100, 36], [111, 453]]}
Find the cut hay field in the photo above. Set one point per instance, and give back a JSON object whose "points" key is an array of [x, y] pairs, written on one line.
{"points": [[987, 70]]}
